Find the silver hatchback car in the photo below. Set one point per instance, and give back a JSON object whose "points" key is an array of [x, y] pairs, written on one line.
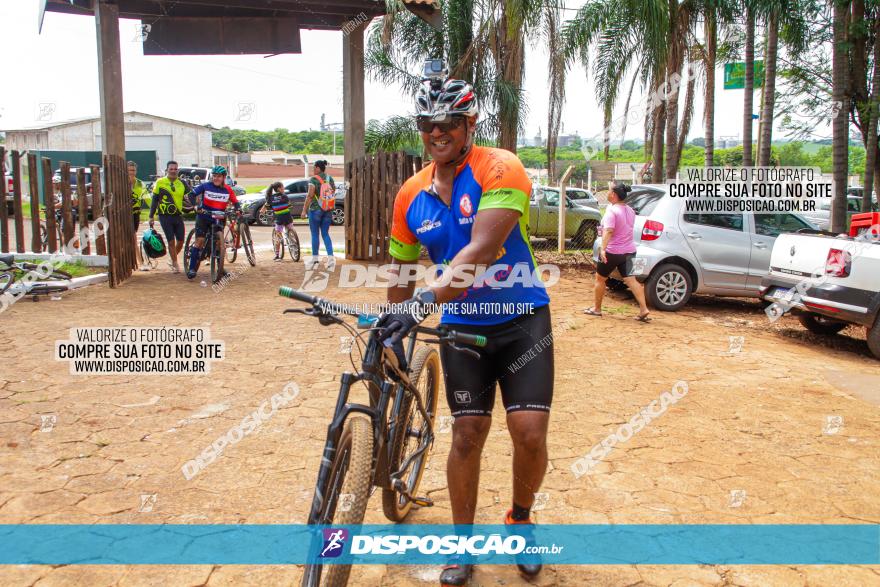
{"points": [[680, 253]]}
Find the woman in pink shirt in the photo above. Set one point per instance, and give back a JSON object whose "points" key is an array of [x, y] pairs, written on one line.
{"points": [[618, 250]]}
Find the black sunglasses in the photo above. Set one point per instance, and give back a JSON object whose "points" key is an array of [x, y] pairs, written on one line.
{"points": [[425, 124]]}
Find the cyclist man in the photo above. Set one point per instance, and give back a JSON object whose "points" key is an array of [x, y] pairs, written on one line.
{"points": [[468, 208], [168, 199], [212, 199]]}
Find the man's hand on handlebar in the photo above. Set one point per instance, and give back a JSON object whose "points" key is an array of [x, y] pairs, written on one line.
{"points": [[398, 324]]}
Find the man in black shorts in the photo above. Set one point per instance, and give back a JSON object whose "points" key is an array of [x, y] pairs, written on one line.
{"points": [[169, 195], [468, 208]]}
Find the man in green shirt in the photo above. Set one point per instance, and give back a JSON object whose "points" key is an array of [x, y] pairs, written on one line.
{"points": [[168, 199], [137, 202]]}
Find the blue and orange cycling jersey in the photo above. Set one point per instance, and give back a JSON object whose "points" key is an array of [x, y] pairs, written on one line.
{"points": [[214, 198], [488, 178]]}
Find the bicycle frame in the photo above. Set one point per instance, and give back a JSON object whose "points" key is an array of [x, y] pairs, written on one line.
{"points": [[378, 413]]}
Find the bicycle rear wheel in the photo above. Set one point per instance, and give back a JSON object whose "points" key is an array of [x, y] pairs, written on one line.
{"points": [[293, 244], [229, 244], [412, 431], [247, 243], [350, 480]]}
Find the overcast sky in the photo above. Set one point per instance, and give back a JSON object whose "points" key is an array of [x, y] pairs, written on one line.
{"points": [[59, 67]]}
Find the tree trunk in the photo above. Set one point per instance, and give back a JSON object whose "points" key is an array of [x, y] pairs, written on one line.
{"points": [[709, 120], [606, 131], [873, 112], [649, 130], [557, 87], [840, 147], [749, 96], [686, 116], [461, 36], [673, 71], [510, 60], [657, 144], [769, 101]]}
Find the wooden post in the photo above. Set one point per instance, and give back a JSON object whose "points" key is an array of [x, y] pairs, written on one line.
{"points": [[66, 209], [4, 213], [353, 114], [98, 207], [49, 202], [563, 206], [110, 77], [83, 198], [346, 206], [34, 188], [16, 203]]}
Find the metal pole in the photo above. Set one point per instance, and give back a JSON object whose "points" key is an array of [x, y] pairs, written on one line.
{"points": [[563, 206]]}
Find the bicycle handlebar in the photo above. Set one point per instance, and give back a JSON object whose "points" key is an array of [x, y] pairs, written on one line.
{"points": [[443, 333]]}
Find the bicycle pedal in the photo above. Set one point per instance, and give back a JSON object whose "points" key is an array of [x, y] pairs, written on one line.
{"points": [[424, 502]]}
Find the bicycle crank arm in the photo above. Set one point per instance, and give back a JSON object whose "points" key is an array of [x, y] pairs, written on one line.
{"points": [[401, 488]]}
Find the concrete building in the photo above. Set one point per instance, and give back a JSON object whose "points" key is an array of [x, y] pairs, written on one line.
{"points": [[184, 142]]}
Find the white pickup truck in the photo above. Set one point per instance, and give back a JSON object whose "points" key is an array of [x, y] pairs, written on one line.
{"points": [[828, 280]]}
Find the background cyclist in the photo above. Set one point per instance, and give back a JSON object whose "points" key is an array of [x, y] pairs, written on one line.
{"points": [[470, 207], [212, 198], [276, 200], [168, 200]]}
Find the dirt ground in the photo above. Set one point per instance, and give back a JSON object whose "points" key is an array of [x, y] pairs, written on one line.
{"points": [[777, 427]]}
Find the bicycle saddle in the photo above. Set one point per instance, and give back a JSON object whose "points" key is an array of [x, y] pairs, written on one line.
{"points": [[7, 260]]}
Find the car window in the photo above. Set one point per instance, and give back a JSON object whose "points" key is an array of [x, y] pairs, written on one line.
{"points": [[644, 201], [552, 196], [301, 186], [853, 205], [775, 224], [728, 221]]}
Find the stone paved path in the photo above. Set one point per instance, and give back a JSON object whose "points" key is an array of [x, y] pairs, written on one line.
{"points": [[746, 445]]}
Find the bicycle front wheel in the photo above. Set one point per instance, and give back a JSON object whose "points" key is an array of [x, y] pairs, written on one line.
{"points": [[345, 500], [190, 239], [293, 244], [247, 243], [412, 433], [215, 246]]}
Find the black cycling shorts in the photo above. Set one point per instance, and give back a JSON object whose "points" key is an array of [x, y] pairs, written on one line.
{"points": [[518, 356], [172, 226], [620, 261], [204, 222]]}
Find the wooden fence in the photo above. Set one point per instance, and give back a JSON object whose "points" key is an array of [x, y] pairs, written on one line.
{"points": [[373, 183], [90, 197]]}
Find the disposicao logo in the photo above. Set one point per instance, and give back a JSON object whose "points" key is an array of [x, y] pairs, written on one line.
{"points": [[334, 542]]}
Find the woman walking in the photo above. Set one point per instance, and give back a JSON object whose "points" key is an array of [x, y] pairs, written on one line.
{"points": [[618, 250], [319, 205]]}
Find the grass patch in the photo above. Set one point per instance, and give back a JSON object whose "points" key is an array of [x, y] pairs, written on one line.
{"points": [[253, 189], [79, 269]]}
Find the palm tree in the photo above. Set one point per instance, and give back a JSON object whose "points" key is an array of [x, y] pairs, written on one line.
{"points": [[483, 41], [715, 13], [873, 113], [840, 147]]}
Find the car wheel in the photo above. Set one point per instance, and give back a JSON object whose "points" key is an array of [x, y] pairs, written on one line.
{"points": [[669, 287], [585, 236], [338, 217], [820, 324], [874, 338]]}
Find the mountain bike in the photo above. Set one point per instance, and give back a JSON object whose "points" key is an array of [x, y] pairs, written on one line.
{"points": [[9, 268], [238, 234], [213, 243], [289, 240], [389, 447]]}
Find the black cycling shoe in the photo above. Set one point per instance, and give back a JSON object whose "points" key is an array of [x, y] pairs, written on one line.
{"points": [[455, 574], [533, 567], [190, 275], [221, 277]]}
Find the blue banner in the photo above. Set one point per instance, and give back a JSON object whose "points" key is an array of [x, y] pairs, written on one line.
{"points": [[195, 544]]}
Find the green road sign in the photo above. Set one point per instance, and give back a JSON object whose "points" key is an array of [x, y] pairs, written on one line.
{"points": [[735, 75]]}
